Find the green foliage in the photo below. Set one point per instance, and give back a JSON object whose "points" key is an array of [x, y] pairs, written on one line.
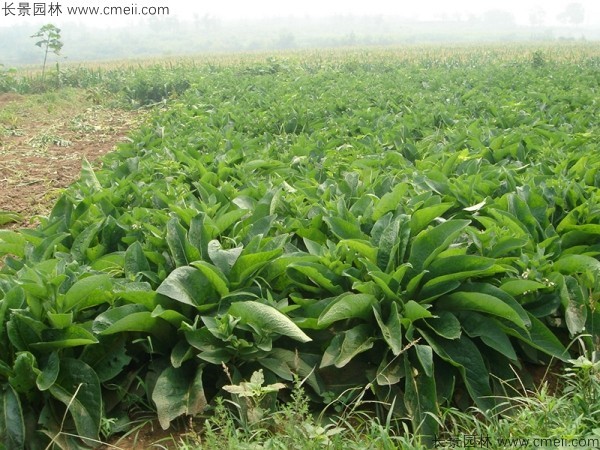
{"points": [[562, 407], [49, 42], [9, 217], [420, 229]]}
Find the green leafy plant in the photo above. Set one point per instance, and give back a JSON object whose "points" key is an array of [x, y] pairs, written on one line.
{"points": [[404, 238], [9, 217], [49, 42], [252, 393]]}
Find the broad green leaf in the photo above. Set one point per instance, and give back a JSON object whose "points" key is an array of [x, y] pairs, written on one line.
{"points": [[346, 345], [177, 392], [570, 264], [224, 221], [489, 331], [348, 306], [223, 259], [505, 246], [362, 247], [71, 336], [460, 267], [576, 305], [316, 249], [140, 293], [60, 320], [421, 403], [13, 299], [521, 211], [445, 274], [47, 377], [24, 373], [261, 227], [199, 235], [425, 355], [9, 217], [318, 273], [78, 388], [424, 216], [344, 229], [465, 355], [414, 283], [392, 243], [62, 210], [391, 330], [47, 247], [267, 319], [480, 302], [390, 201], [111, 263], [216, 357], [214, 275], [390, 372], [189, 285], [108, 358], [12, 243], [516, 287], [87, 292], [489, 289], [82, 242], [12, 423], [383, 281], [505, 219], [135, 260], [88, 176], [413, 311], [540, 337], [181, 250], [175, 318], [431, 242], [127, 319], [436, 288], [113, 315], [23, 330], [182, 352], [248, 264], [297, 364], [387, 243], [445, 324]]}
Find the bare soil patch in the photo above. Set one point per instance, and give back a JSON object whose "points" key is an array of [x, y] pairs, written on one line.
{"points": [[151, 436], [43, 139]]}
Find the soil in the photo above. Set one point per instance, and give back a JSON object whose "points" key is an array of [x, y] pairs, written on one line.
{"points": [[151, 436], [42, 145]]}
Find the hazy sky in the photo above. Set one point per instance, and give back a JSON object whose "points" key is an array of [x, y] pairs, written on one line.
{"points": [[240, 9], [420, 8]]}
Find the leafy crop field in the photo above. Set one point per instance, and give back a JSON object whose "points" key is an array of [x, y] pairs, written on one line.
{"points": [[422, 228]]}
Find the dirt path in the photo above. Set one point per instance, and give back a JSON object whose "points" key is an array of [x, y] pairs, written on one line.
{"points": [[43, 139]]}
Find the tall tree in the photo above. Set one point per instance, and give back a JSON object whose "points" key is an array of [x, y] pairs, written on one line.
{"points": [[49, 42]]}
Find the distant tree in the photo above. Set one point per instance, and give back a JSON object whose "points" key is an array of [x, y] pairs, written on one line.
{"points": [[50, 42], [574, 14], [286, 40]]}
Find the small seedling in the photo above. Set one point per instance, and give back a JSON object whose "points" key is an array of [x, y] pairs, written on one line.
{"points": [[254, 394]]}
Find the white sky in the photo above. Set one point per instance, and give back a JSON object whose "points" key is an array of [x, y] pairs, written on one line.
{"points": [[252, 9], [405, 8]]}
